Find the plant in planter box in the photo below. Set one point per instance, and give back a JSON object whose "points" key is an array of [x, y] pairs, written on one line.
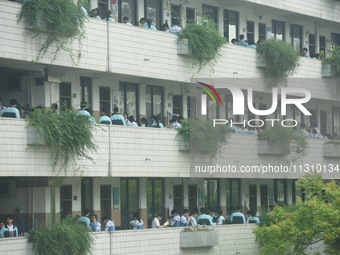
{"points": [[334, 58], [205, 41], [281, 59], [61, 21], [69, 237], [66, 134], [287, 138], [203, 137]]}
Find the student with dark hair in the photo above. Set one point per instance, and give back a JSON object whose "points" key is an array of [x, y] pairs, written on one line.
{"points": [[149, 25], [165, 27], [126, 21], [11, 111], [10, 230], [54, 107], [109, 18], [85, 217], [239, 215], [84, 112], [95, 225], [156, 221], [117, 118], [144, 122], [157, 123], [132, 122], [104, 119], [175, 29], [234, 41], [174, 122], [137, 222], [176, 219], [108, 224], [142, 21], [305, 53], [241, 42], [220, 218], [193, 217], [185, 218]]}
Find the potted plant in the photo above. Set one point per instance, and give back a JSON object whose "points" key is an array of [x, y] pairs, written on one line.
{"points": [[69, 237], [331, 65], [195, 237], [67, 135], [280, 59], [281, 140], [59, 21], [331, 149], [202, 137], [202, 42]]}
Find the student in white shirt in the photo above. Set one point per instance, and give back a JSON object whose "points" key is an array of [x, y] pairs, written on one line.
{"points": [[156, 221]]}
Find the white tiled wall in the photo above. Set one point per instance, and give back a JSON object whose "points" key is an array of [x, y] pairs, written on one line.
{"points": [[140, 152]]}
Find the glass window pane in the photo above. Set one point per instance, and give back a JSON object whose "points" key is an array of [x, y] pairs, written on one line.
{"points": [[148, 101], [153, 11], [230, 25], [127, 9], [209, 12], [190, 15], [175, 15]]}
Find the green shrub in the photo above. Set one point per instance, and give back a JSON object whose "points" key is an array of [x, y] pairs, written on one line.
{"points": [[67, 135], [61, 21], [280, 57], [203, 137], [205, 41], [334, 58], [69, 237], [282, 136]]}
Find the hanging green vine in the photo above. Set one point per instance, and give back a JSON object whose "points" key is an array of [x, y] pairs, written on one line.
{"points": [[205, 41], [67, 134], [61, 21], [281, 59]]}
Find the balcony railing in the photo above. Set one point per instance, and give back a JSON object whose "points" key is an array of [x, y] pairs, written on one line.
{"points": [[153, 152]]}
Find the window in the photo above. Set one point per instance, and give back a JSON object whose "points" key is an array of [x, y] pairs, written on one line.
{"points": [[178, 198], [212, 109], [129, 197], [322, 45], [264, 196], [86, 90], [175, 15], [105, 200], [262, 31], [280, 191], [251, 32], [233, 195], [192, 192], [155, 198], [65, 94], [105, 99], [127, 8], [154, 101], [229, 106], [103, 8], [211, 192], [190, 15], [296, 37], [253, 197], [86, 193], [263, 118], [129, 91], [336, 122], [177, 105], [4, 189], [312, 45], [209, 12], [323, 122], [335, 39], [191, 107], [230, 25], [278, 30], [65, 200], [313, 119], [153, 11]]}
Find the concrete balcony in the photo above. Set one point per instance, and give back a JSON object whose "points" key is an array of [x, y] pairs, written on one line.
{"points": [[323, 9], [128, 50], [152, 152]]}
